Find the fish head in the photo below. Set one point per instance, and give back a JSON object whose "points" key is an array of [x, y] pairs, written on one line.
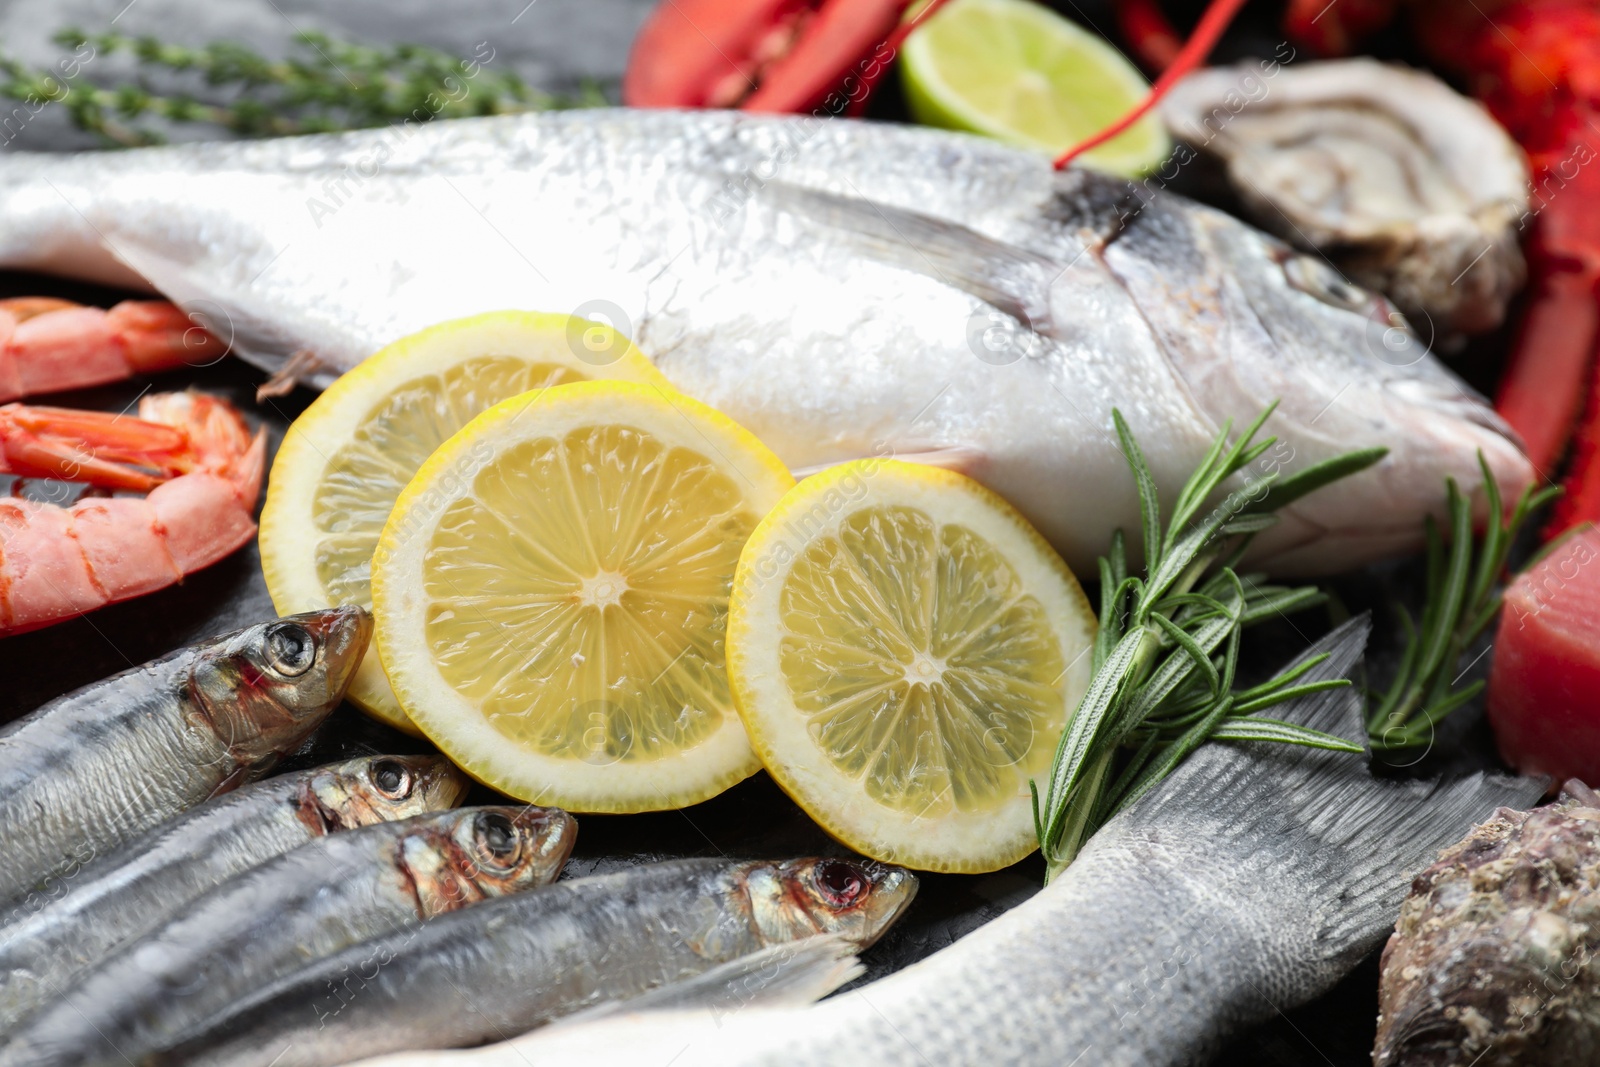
{"points": [[856, 899], [374, 789], [475, 853], [1246, 321], [264, 688]]}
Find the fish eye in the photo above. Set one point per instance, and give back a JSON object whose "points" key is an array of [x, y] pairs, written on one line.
{"points": [[1311, 275], [841, 883], [498, 837], [291, 650], [392, 779]]}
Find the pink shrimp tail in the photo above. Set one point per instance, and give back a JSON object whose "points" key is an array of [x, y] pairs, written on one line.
{"points": [[59, 562], [48, 345]]}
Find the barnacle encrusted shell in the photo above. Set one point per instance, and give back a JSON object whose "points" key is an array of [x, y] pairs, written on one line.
{"points": [[1492, 961]]}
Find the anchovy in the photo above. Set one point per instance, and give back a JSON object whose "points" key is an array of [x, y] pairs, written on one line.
{"points": [[843, 289], [90, 771], [314, 901], [1250, 881], [489, 972], [46, 942]]}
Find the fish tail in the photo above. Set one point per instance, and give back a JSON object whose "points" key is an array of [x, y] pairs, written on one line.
{"points": [[1357, 838]]}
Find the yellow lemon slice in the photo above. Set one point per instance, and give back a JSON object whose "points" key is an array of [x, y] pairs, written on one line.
{"points": [[346, 458], [551, 590], [904, 650], [1017, 71]]}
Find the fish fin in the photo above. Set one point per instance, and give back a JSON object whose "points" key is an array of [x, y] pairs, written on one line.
{"points": [[249, 336], [1011, 279], [789, 975], [233, 781], [1367, 836]]}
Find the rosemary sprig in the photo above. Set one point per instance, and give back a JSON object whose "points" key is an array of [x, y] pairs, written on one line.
{"points": [[1462, 597], [327, 85], [1168, 647]]}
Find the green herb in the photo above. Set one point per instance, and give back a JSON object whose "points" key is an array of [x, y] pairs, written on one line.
{"points": [[328, 85], [1168, 647], [1462, 598]]}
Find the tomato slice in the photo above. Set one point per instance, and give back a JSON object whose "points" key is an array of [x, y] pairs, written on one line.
{"points": [[760, 55]]}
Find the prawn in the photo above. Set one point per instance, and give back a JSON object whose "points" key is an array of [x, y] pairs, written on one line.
{"points": [[193, 456], [47, 345]]}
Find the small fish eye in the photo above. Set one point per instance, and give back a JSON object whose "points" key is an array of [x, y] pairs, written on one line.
{"points": [[841, 884], [498, 835], [392, 779], [1310, 275], [291, 650]]}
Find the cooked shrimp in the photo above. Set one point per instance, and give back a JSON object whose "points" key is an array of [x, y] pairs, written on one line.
{"points": [[190, 452], [47, 345]]}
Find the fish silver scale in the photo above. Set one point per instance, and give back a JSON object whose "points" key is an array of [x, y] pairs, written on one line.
{"points": [[503, 967], [828, 284], [305, 904], [66, 799], [45, 942], [1246, 883]]}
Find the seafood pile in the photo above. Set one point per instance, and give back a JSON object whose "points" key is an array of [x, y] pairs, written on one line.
{"points": [[656, 449]]}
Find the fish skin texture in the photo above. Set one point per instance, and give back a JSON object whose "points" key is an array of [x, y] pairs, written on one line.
{"points": [[842, 289]]}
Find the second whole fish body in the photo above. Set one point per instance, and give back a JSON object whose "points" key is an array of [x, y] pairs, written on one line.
{"points": [[843, 289], [509, 965], [45, 944], [316, 900], [90, 771]]}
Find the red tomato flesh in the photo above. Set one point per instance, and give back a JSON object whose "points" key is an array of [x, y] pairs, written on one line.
{"points": [[1544, 689]]}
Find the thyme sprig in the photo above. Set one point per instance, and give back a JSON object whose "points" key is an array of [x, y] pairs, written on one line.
{"points": [[326, 85], [1462, 597], [1165, 659]]}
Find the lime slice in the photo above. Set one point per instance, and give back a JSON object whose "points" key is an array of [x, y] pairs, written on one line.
{"points": [[1018, 72]]}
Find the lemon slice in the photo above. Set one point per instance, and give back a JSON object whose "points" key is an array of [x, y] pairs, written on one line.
{"points": [[1018, 72], [550, 595], [904, 650], [345, 460]]}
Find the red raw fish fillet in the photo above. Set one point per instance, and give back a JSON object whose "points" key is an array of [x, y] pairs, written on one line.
{"points": [[1544, 690]]}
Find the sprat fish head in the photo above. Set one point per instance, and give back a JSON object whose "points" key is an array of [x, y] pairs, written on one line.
{"points": [[263, 689], [464, 856], [856, 899], [374, 789]]}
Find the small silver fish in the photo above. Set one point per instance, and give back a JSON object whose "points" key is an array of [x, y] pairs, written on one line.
{"points": [[45, 942], [88, 772], [308, 903], [524, 960], [843, 289], [1251, 880]]}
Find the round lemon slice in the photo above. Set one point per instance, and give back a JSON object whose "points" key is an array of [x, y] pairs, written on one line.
{"points": [[904, 650], [551, 595], [346, 458], [1017, 71]]}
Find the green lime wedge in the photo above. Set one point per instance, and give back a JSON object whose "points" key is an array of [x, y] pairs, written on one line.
{"points": [[1018, 72]]}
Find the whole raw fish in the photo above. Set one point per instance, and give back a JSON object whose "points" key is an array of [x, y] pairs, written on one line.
{"points": [[46, 942], [1250, 881], [843, 289], [303, 905], [492, 971], [90, 771]]}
